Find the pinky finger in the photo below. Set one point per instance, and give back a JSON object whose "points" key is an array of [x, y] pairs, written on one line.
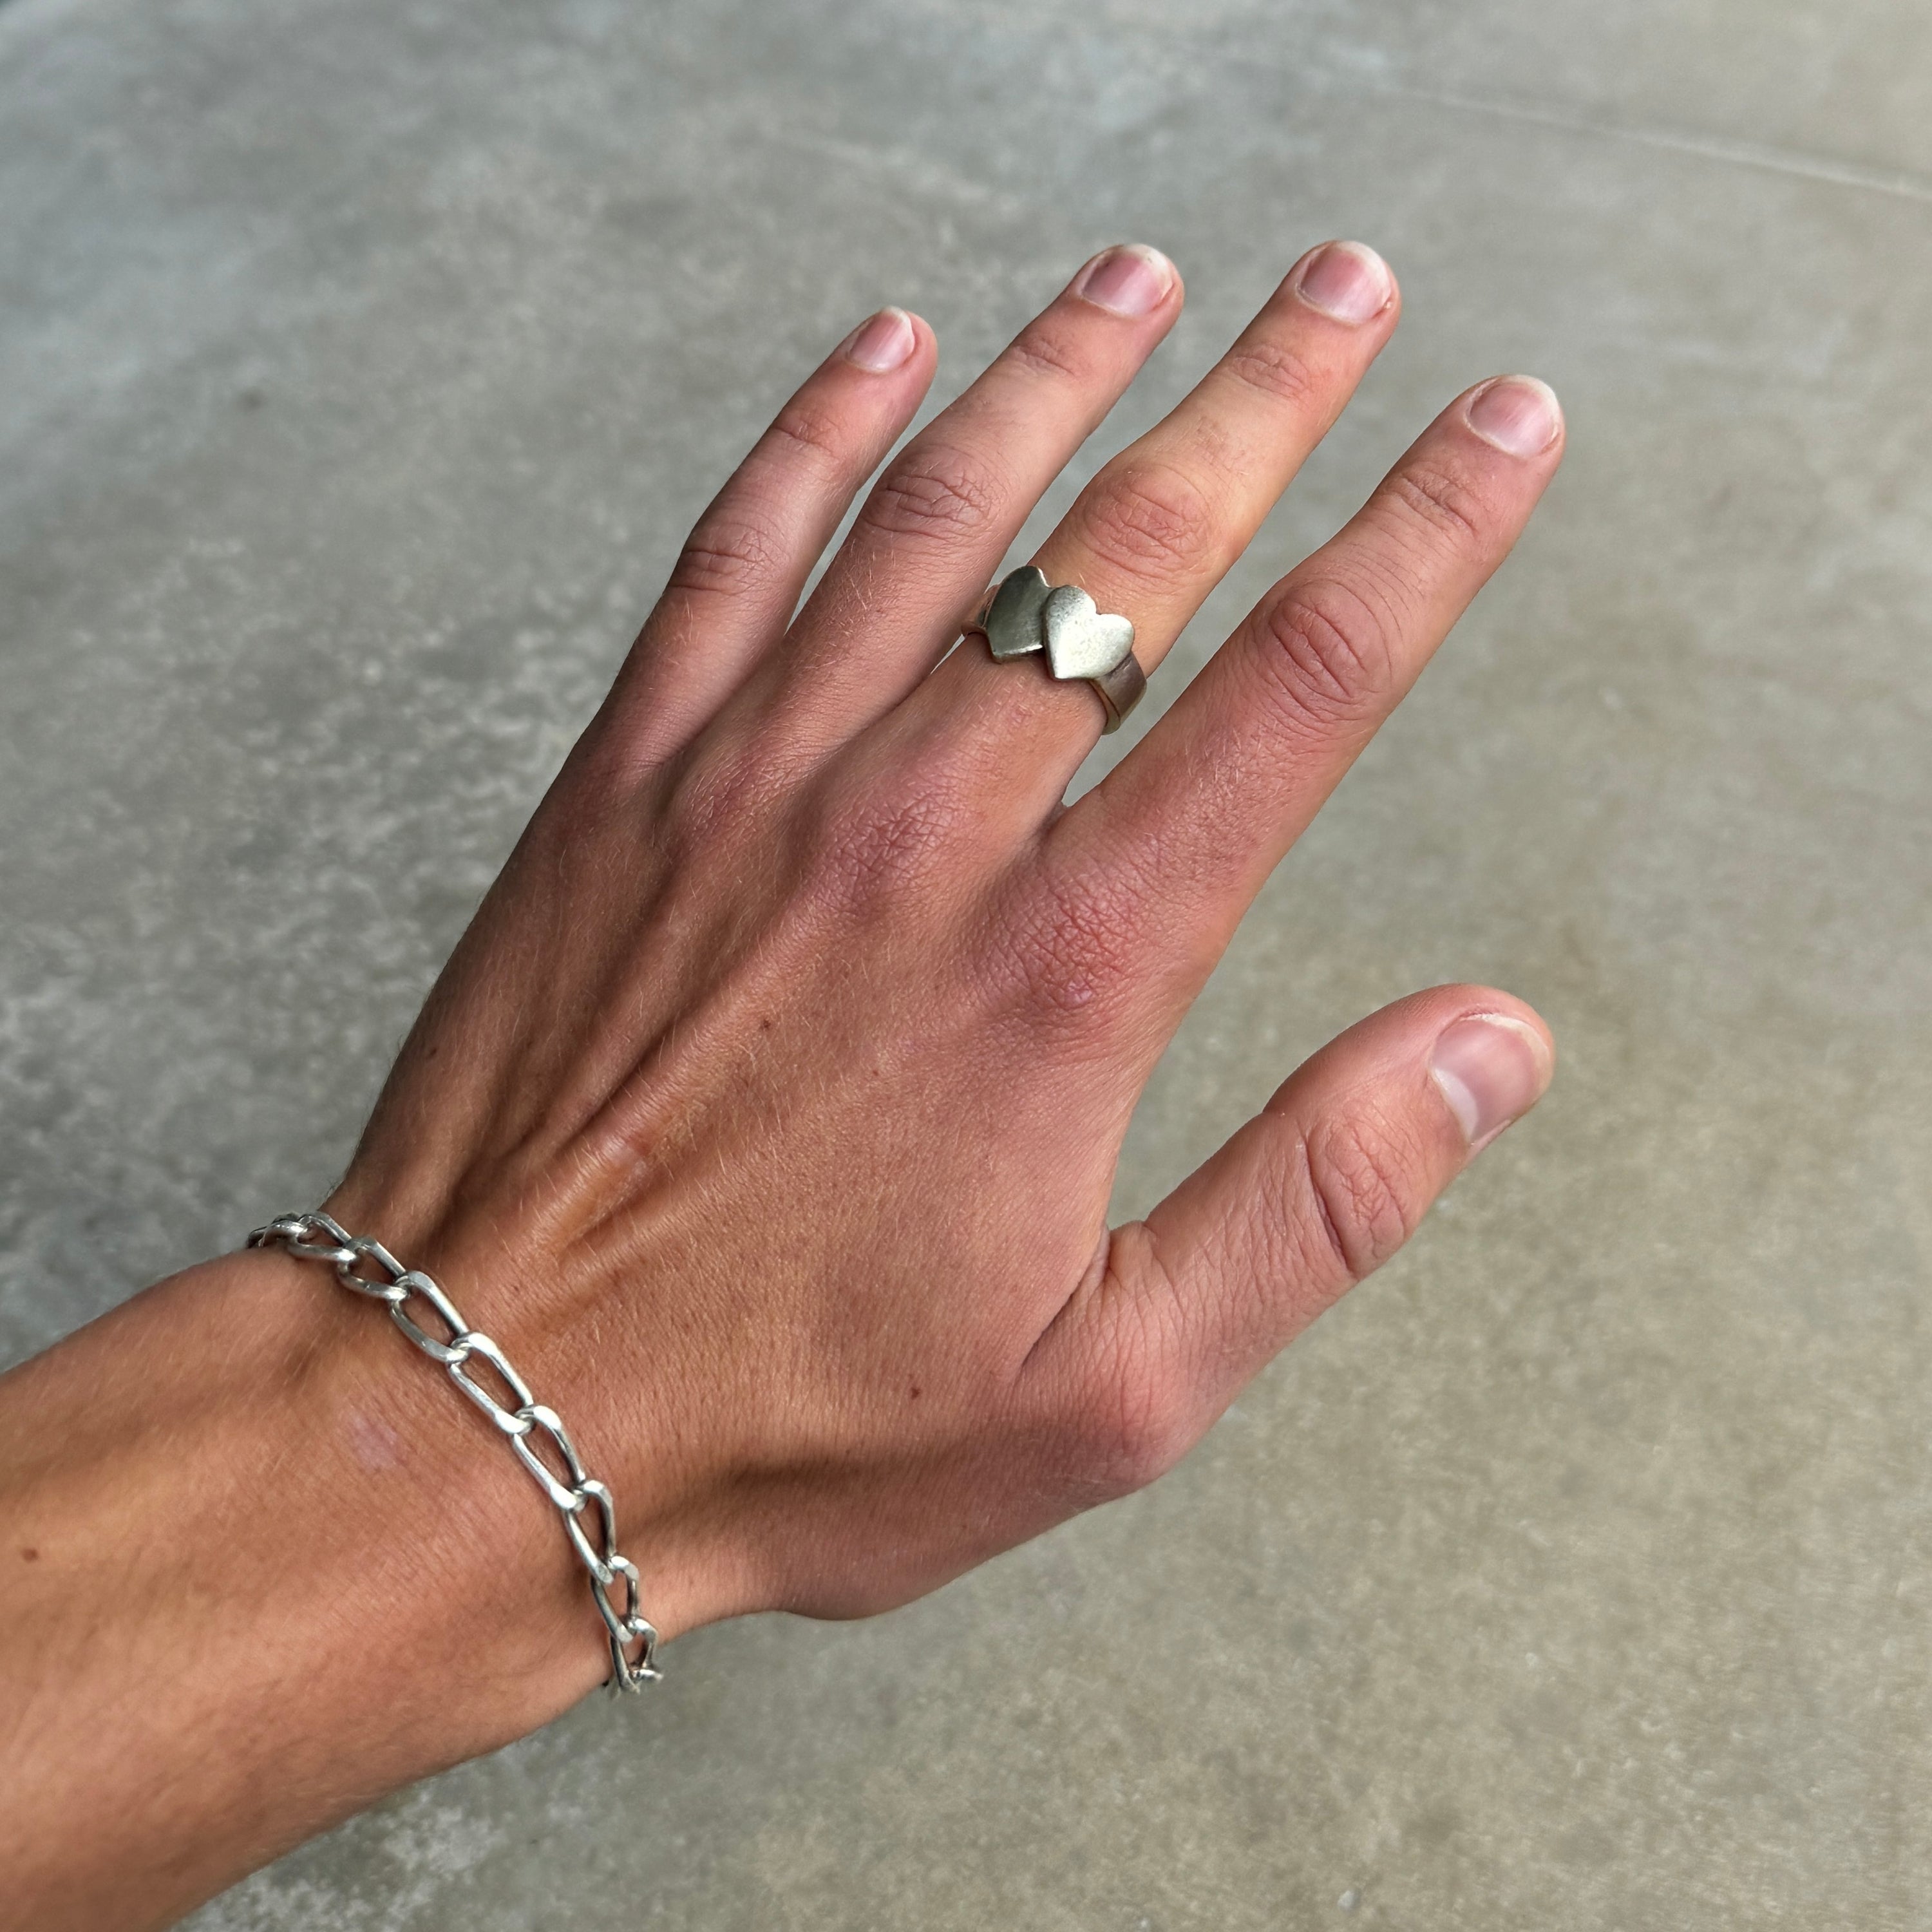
{"points": [[743, 568]]}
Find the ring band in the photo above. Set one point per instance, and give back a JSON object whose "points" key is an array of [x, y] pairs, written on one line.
{"points": [[1119, 691], [1023, 614]]}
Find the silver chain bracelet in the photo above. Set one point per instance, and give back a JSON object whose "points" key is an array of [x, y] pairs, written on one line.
{"points": [[316, 1237]]}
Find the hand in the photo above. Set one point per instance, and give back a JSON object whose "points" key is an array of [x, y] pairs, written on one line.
{"points": [[766, 1115], [769, 1109]]}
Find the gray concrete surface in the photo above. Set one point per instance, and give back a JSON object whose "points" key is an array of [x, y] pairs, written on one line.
{"points": [[360, 364]]}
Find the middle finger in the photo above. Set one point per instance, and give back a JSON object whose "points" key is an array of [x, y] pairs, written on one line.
{"points": [[936, 524]]}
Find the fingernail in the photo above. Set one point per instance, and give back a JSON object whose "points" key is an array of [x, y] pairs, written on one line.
{"points": [[1346, 281], [1133, 279], [883, 344], [1492, 1071], [1520, 415]]}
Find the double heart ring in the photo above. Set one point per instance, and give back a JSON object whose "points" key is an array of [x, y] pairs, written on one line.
{"points": [[1023, 613]]}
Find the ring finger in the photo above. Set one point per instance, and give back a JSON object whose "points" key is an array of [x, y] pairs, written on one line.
{"points": [[1160, 526]]}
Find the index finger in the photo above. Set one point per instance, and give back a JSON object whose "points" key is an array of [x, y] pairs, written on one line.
{"points": [[1179, 838]]}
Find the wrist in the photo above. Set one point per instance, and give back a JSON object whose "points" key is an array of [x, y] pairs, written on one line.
{"points": [[348, 1594], [446, 1547], [476, 1366], [531, 1284]]}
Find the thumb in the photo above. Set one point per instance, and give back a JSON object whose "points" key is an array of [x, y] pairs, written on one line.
{"points": [[1317, 1191]]}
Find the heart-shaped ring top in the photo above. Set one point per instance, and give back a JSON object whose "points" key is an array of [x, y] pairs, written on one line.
{"points": [[1012, 621], [1082, 640], [1023, 614]]}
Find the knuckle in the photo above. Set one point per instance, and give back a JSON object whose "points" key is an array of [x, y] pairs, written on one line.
{"points": [[586, 805], [1329, 652], [1274, 371], [1364, 1192], [802, 429], [1445, 504], [1042, 349], [1151, 522], [719, 799], [731, 553], [936, 492], [1135, 1421], [1067, 956], [885, 843]]}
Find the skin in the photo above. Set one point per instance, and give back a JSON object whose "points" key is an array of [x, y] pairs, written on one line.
{"points": [[767, 1113]]}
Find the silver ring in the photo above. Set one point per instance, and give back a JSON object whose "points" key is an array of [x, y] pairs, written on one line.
{"points": [[1023, 614]]}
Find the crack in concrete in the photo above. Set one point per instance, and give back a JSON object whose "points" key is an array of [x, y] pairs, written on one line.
{"points": [[1901, 183]]}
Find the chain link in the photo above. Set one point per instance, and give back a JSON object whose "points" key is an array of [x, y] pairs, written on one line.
{"points": [[367, 1267]]}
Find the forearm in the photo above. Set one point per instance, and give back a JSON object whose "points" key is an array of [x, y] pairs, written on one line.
{"points": [[255, 1569]]}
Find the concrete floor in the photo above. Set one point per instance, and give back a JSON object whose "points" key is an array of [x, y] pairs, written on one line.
{"points": [[360, 366]]}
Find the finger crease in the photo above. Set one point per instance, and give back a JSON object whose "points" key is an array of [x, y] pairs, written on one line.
{"points": [[1041, 355], [1330, 1223], [1273, 372], [1439, 499]]}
